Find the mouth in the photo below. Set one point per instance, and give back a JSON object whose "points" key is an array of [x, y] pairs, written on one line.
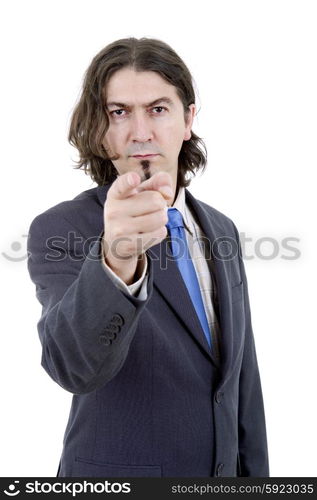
{"points": [[144, 156]]}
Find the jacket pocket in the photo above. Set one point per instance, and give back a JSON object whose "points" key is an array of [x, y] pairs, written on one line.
{"points": [[89, 468]]}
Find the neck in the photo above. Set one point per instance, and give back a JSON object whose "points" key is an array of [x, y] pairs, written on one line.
{"points": [[176, 194]]}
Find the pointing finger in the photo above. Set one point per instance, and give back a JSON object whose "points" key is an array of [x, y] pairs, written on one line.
{"points": [[124, 186], [162, 182]]}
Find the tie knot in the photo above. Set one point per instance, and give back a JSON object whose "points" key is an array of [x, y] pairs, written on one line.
{"points": [[175, 218]]}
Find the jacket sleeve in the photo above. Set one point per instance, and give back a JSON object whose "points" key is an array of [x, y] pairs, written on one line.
{"points": [[87, 322], [253, 453]]}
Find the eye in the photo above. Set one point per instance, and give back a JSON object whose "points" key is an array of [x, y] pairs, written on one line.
{"points": [[160, 108], [117, 112]]}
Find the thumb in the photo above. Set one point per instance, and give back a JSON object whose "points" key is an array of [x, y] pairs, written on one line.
{"points": [[162, 182]]}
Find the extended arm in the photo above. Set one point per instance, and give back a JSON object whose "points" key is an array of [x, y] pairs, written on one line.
{"points": [[87, 322]]}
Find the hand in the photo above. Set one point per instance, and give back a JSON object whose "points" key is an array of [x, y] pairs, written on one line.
{"points": [[135, 215]]}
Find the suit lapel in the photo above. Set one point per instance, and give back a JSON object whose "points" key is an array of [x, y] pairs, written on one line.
{"points": [[218, 238], [168, 281]]}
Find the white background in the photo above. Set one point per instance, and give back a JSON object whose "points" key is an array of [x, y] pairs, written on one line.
{"points": [[254, 64]]}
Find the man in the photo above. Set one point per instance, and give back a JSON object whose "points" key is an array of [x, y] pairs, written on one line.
{"points": [[162, 368]]}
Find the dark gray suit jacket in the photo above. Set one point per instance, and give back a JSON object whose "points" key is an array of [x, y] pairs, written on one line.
{"points": [[149, 397]]}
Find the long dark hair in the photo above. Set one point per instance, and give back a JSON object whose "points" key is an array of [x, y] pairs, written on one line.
{"points": [[89, 121]]}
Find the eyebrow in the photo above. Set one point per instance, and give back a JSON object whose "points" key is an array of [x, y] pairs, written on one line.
{"points": [[165, 100]]}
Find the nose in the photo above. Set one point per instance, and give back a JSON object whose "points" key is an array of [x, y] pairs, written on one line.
{"points": [[141, 130]]}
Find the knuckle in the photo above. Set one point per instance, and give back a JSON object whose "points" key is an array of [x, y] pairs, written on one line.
{"points": [[121, 184], [157, 200], [161, 232], [159, 218], [111, 213], [117, 188], [117, 232], [164, 216], [130, 247]]}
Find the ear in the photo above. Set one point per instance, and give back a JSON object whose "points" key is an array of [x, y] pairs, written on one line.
{"points": [[189, 118]]}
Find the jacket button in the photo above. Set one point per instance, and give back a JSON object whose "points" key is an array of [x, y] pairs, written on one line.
{"points": [[219, 469], [111, 335], [218, 397], [113, 328], [105, 340], [117, 319]]}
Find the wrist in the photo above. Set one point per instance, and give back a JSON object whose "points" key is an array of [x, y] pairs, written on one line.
{"points": [[129, 270]]}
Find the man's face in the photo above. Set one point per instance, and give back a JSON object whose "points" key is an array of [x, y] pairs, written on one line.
{"points": [[146, 116]]}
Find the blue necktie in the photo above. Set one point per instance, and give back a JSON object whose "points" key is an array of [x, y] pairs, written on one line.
{"points": [[185, 265]]}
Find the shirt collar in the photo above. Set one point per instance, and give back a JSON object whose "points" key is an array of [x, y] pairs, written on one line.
{"points": [[180, 204]]}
